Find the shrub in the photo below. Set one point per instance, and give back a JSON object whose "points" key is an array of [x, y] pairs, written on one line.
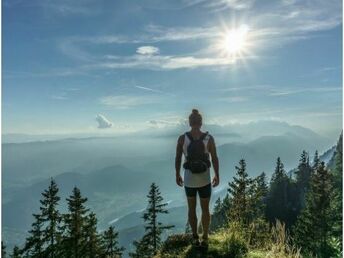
{"points": [[234, 244], [281, 246], [176, 242], [258, 234], [336, 247]]}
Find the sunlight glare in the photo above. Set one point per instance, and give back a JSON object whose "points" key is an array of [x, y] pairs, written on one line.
{"points": [[235, 40]]}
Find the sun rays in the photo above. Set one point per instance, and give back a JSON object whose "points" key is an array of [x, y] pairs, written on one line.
{"points": [[234, 43]]}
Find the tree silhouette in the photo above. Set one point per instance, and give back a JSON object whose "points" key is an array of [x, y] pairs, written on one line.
{"points": [[316, 161], [16, 253], [219, 218], [75, 220], [51, 217], [337, 194], [313, 227], [34, 242], [277, 199], [91, 237], [110, 243], [240, 194], [151, 241], [303, 174], [258, 197], [3, 250]]}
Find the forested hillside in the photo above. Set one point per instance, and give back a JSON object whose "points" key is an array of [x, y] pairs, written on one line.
{"points": [[293, 215]]}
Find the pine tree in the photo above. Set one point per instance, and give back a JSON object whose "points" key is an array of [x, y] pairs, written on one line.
{"points": [[338, 171], [16, 253], [75, 220], [312, 231], [34, 245], [258, 196], [240, 195], [143, 248], [3, 250], [51, 217], [336, 195], [91, 237], [303, 170], [277, 205], [110, 243], [303, 173], [316, 161], [216, 216], [151, 241], [219, 218]]}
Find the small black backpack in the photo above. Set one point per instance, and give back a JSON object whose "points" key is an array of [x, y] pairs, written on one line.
{"points": [[197, 161]]}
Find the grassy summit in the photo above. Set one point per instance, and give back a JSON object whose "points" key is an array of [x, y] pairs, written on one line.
{"points": [[232, 242]]}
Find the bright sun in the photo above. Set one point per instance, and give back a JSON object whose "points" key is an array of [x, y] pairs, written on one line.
{"points": [[234, 41]]}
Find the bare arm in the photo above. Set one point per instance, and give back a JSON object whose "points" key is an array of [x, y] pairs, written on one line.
{"points": [[214, 160], [178, 160]]}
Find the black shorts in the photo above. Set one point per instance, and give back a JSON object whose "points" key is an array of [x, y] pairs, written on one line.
{"points": [[203, 192]]}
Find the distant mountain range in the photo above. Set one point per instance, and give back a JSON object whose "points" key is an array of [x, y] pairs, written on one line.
{"points": [[30, 162]]}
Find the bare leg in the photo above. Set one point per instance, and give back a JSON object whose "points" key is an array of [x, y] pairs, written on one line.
{"points": [[192, 214], [205, 216]]}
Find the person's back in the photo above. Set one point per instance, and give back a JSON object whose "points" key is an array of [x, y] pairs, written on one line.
{"points": [[192, 179], [197, 148]]}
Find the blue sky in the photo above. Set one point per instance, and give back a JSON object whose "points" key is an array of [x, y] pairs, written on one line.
{"points": [[131, 65]]}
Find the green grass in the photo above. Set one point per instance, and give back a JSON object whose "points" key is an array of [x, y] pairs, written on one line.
{"points": [[179, 246], [231, 243], [256, 254]]}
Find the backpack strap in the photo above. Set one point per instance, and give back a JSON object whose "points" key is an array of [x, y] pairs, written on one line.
{"points": [[204, 135], [188, 134]]}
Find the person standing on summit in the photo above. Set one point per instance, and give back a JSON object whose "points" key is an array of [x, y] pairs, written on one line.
{"points": [[197, 147]]}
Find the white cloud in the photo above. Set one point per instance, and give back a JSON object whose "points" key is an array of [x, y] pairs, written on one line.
{"points": [[127, 101], [220, 5], [159, 62], [281, 23], [103, 122], [147, 50]]}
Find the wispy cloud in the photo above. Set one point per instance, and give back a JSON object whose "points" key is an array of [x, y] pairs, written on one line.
{"points": [[287, 92], [166, 120], [214, 5], [161, 62], [281, 23], [59, 97], [234, 99], [127, 101], [156, 33], [60, 8], [274, 28], [244, 88], [161, 123], [220, 5], [153, 90]]}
